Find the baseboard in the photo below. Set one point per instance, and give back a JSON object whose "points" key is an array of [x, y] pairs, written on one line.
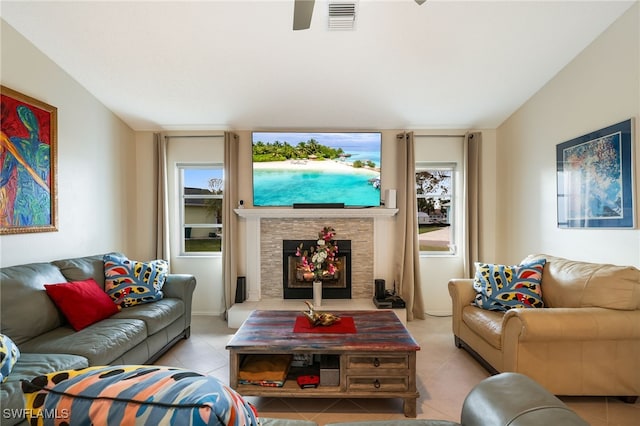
{"points": [[439, 313], [207, 313]]}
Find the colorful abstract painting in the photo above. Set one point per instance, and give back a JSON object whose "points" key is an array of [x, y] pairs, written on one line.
{"points": [[27, 164], [595, 185]]}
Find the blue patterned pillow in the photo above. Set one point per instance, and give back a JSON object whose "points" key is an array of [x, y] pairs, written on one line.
{"points": [[130, 282], [135, 395], [9, 354], [501, 287]]}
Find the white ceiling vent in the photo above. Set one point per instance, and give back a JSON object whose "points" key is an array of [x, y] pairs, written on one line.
{"points": [[342, 15]]}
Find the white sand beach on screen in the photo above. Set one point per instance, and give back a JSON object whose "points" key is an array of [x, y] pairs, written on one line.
{"points": [[314, 165]]}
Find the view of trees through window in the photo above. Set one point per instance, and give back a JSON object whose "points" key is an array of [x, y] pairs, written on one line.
{"points": [[434, 192], [202, 193]]}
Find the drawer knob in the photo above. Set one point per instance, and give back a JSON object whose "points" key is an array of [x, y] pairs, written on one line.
{"points": [[376, 384], [376, 362]]}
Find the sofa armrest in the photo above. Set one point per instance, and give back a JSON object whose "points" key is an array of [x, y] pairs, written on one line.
{"points": [[515, 399], [462, 294], [181, 286], [566, 324]]}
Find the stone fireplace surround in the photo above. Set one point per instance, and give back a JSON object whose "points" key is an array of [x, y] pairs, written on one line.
{"points": [[274, 231], [266, 228]]}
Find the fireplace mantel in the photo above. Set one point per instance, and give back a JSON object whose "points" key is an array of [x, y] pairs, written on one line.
{"points": [[266, 212]]}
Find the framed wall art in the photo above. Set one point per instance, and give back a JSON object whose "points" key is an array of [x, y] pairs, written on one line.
{"points": [[595, 179], [28, 144]]}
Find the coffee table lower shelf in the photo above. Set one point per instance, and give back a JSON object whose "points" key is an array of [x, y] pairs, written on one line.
{"points": [[292, 390]]}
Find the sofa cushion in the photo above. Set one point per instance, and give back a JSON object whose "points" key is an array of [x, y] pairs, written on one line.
{"points": [[156, 315], [573, 284], [29, 366], [141, 395], [32, 364], [9, 354], [100, 343], [131, 282], [81, 268], [502, 287], [486, 324], [82, 302], [26, 283]]}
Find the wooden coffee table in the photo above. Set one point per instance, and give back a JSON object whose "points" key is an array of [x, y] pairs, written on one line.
{"points": [[378, 361]]}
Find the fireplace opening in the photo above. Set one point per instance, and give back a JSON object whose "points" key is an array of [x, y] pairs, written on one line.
{"points": [[297, 287]]}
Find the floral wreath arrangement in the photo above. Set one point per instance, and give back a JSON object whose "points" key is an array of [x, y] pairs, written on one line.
{"points": [[319, 261]]}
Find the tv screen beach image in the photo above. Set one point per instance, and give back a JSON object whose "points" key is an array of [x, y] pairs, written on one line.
{"points": [[316, 167]]}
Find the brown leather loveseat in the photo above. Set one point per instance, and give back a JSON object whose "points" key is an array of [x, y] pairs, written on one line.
{"points": [[585, 341]]}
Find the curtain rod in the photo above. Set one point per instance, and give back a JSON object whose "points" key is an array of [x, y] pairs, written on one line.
{"points": [[194, 136], [438, 136], [399, 136]]}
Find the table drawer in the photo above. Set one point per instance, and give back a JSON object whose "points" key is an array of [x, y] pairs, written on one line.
{"points": [[377, 361], [377, 384]]}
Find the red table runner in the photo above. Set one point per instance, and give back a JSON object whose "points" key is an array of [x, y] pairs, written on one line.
{"points": [[344, 326]]}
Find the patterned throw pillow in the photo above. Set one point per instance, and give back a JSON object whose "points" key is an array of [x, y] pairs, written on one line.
{"points": [[135, 395], [130, 282], [9, 354], [501, 287]]}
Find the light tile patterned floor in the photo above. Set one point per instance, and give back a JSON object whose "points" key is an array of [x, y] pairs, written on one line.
{"points": [[445, 375]]}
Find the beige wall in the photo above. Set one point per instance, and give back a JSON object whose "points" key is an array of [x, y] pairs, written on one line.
{"points": [[436, 271], [95, 164], [599, 88], [208, 296], [208, 269], [106, 196]]}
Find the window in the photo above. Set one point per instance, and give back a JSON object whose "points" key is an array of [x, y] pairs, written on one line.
{"points": [[201, 192], [434, 192]]}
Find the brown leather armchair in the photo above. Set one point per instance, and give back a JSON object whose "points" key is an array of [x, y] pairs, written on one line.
{"points": [[585, 341]]}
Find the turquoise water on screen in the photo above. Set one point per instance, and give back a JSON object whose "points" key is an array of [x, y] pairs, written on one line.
{"points": [[286, 187], [360, 151]]}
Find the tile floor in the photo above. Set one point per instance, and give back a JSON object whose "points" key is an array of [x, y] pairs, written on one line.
{"points": [[445, 375]]}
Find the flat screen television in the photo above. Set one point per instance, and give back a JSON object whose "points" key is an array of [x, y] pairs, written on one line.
{"points": [[316, 168]]}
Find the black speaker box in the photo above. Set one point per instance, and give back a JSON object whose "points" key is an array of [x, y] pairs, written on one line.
{"points": [[241, 289], [380, 287]]}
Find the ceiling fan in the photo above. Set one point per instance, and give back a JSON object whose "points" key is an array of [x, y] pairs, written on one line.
{"points": [[303, 10]]}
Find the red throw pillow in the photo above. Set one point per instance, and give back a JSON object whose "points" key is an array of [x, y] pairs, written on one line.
{"points": [[82, 302]]}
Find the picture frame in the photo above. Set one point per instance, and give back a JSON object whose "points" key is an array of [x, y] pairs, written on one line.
{"points": [[28, 164], [595, 179]]}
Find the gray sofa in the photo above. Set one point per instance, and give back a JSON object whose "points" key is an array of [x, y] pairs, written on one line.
{"points": [[135, 335]]}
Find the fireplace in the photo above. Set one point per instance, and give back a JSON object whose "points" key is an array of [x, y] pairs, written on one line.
{"points": [[296, 287]]}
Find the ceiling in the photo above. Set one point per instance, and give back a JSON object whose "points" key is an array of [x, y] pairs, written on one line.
{"points": [[239, 65]]}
